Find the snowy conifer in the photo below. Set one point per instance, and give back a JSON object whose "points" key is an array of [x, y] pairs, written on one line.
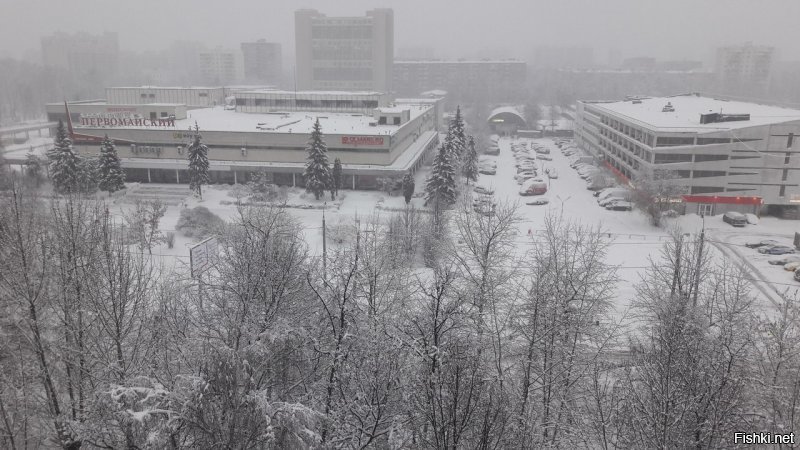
{"points": [[317, 174], [198, 163], [441, 184], [33, 167], [459, 138], [111, 175], [469, 166], [64, 162], [88, 174], [408, 187], [337, 177]]}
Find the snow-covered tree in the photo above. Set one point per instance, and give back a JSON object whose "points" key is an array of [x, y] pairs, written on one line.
{"points": [[144, 224], [408, 187], [459, 135], [337, 178], [33, 167], [88, 174], [441, 184], [64, 162], [112, 177], [469, 165], [655, 190], [317, 174], [198, 163]]}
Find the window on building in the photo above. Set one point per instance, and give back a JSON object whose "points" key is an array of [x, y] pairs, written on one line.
{"points": [[708, 173], [782, 192], [397, 121], [664, 141], [786, 158], [785, 174], [241, 101], [665, 158], [790, 140], [261, 102], [203, 94], [705, 209], [706, 189], [701, 158], [709, 141]]}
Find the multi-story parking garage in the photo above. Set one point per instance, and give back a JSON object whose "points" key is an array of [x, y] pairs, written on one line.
{"points": [[729, 155]]}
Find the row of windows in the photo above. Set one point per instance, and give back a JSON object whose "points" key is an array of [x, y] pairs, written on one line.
{"points": [[665, 158], [342, 52], [635, 133], [341, 32], [305, 103], [668, 141], [342, 73]]}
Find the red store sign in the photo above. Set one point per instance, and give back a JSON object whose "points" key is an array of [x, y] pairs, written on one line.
{"points": [[362, 140]]}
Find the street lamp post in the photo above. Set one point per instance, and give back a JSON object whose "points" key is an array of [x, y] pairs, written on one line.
{"points": [[562, 200]]}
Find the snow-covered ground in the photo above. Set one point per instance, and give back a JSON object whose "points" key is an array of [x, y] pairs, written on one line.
{"points": [[633, 241]]}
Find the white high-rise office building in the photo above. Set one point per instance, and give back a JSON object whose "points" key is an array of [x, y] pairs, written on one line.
{"points": [[344, 53]]}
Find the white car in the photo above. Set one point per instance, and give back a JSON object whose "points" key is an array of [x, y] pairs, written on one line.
{"points": [[620, 205], [609, 200], [792, 266], [552, 173], [538, 201], [483, 190], [544, 157]]}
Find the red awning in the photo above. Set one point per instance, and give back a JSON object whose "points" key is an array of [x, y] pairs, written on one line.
{"points": [[723, 199]]}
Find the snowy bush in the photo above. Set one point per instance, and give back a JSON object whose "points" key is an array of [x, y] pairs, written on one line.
{"points": [[198, 222]]}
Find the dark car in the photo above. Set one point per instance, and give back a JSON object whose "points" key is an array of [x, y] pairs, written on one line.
{"points": [[761, 243], [776, 250]]}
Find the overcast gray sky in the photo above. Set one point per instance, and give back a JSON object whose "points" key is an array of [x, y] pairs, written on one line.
{"points": [[667, 29]]}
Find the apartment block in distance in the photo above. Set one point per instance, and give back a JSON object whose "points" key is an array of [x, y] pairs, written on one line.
{"points": [[262, 62], [220, 66], [344, 53], [744, 69], [82, 53], [731, 156]]}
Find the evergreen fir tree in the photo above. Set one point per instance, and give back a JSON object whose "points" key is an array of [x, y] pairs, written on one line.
{"points": [[317, 174], [408, 187], [111, 176], [337, 177], [64, 163], [88, 174], [469, 166], [33, 167], [198, 163], [459, 137], [441, 184]]}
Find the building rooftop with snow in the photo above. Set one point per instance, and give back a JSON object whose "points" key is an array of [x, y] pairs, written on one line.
{"points": [[729, 155], [260, 131]]}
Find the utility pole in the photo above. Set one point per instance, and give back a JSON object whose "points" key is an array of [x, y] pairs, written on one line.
{"points": [[324, 245]]}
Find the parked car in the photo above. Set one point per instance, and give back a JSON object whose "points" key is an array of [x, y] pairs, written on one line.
{"points": [[487, 170], [761, 243], [613, 192], [786, 259], [533, 186], [797, 275], [483, 190], [544, 157], [609, 200], [735, 219], [620, 205], [775, 250], [552, 173], [538, 201], [791, 266]]}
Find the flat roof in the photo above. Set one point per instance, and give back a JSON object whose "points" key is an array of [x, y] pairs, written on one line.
{"points": [[460, 61], [166, 87], [220, 119], [284, 92], [688, 109]]}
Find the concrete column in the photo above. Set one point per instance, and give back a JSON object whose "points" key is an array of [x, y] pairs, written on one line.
{"points": [[148, 176], [354, 182], [235, 180], [177, 176], [293, 181]]}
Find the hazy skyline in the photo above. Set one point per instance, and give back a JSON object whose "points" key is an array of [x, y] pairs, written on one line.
{"points": [[674, 29]]}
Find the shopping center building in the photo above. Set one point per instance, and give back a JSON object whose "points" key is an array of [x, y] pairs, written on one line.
{"points": [[730, 155], [263, 131]]}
